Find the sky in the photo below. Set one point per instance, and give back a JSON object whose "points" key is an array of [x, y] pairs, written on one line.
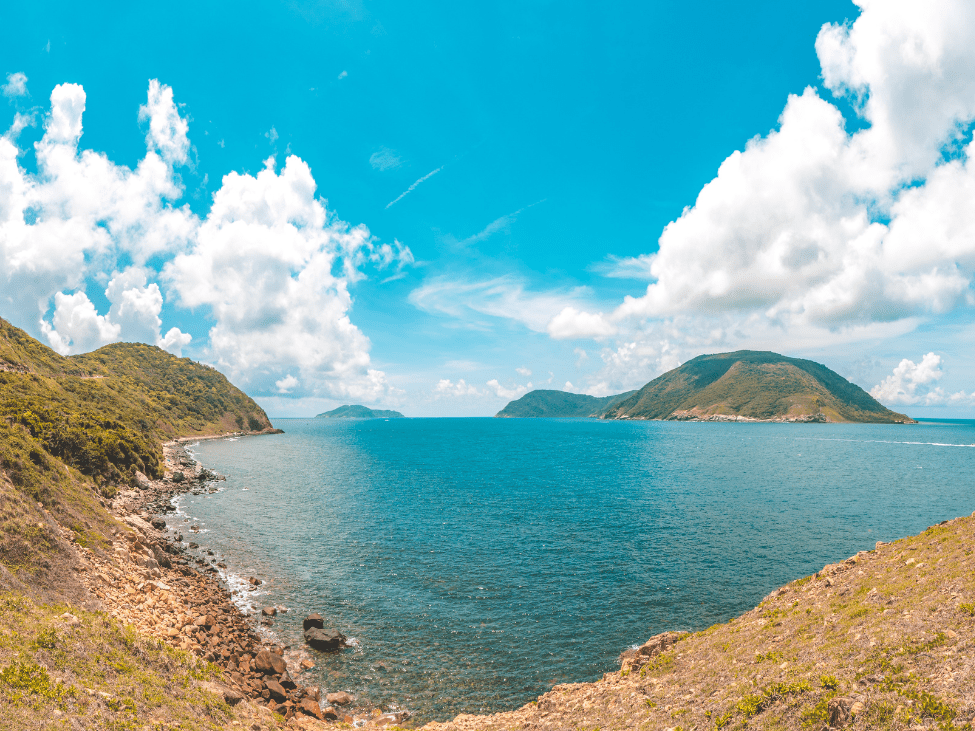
{"points": [[436, 207]]}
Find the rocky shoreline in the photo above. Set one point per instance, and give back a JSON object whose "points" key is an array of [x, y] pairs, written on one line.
{"points": [[170, 588]]}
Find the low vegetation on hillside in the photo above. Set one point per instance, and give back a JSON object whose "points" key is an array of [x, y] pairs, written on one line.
{"points": [[754, 385], [880, 641], [560, 404], [73, 429]]}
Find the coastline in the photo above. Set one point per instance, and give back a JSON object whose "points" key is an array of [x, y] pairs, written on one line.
{"points": [[154, 582], [707, 676]]}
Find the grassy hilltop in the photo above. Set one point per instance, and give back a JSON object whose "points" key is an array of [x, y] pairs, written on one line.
{"points": [[73, 429], [753, 385], [560, 404]]}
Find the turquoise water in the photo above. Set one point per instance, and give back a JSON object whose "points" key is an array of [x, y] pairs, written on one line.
{"points": [[477, 562]]}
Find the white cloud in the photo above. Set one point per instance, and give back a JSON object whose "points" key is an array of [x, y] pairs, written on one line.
{"points": [[385, 159], [174, 341], [568, 386], [21, 121], [272, 135], [167, 129], [813, 228], [264, 261], [409, 190], [77, 325], [912, 384], [446, 387], [503, 297], [508, 394], [497, 225], [268, 263], [901, 386], [16, 85], [522, 371], [343, 75], [571, 323], [287, 384]]}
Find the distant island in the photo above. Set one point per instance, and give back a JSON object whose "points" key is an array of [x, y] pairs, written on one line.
{"points": [[560, 404], [359, 412], [745, 385]]}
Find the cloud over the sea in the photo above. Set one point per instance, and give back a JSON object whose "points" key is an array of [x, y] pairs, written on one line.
{"points": [[268, 263], [814, 227]]}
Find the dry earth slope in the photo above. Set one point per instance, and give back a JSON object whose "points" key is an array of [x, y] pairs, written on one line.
{"points": [[882, 640]]}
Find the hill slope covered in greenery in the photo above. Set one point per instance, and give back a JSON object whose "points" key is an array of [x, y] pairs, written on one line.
{"points": [[559, 404], [73, 429], [753, 385], [359, 412]]}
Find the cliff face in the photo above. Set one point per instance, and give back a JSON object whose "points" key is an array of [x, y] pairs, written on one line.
{"points": [[753, 386], [72, 430]]}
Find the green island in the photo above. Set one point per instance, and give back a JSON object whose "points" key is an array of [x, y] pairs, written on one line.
{"points": [[880, 640], [559, 404], [745, 385], [359, 412]]}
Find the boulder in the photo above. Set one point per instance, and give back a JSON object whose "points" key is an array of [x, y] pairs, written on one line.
{"points": [[388, 719], [269, 611], [325, 640], [158, 523], [329, 713], [339, 699], [278, 693], [637, 658], [313, 620], [838, 712], [141, 481], [267, 663], [230, 696], [286, 681], [311, 708], [314, 693]]}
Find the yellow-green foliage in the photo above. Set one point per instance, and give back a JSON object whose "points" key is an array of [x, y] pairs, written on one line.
{"points": [[73, 429], [98, 671]]}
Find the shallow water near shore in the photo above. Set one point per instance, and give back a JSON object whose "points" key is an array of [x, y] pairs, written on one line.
{"points": [[477, 562]]}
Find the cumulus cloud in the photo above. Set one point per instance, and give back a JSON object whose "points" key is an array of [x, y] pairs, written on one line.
{"points": [[522, 371], [384, 159], [814, 227], [446, 387], [507, 393], [914, 384], [16, 85], [268, 262], [571, 323], [274, 269], [167, 129], [287, 384]]}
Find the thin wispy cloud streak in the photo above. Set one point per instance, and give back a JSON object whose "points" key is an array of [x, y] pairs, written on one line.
{"points": [[498, 224], [413, 187]]}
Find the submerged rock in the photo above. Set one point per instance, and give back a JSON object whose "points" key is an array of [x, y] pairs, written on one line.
{"points": [[325, 640]]}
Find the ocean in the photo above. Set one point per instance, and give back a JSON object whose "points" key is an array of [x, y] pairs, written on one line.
{"points": [[478, 562]]}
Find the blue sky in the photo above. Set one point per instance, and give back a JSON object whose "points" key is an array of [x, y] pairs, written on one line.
{"points": [[465, 200]]}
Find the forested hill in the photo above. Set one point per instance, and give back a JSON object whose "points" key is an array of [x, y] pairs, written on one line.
{"points": [[73, 430], [559, 404], [359, 412], [753, 385]]}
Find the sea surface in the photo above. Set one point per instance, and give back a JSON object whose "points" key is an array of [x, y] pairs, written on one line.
{"points": [[478, 562]]}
